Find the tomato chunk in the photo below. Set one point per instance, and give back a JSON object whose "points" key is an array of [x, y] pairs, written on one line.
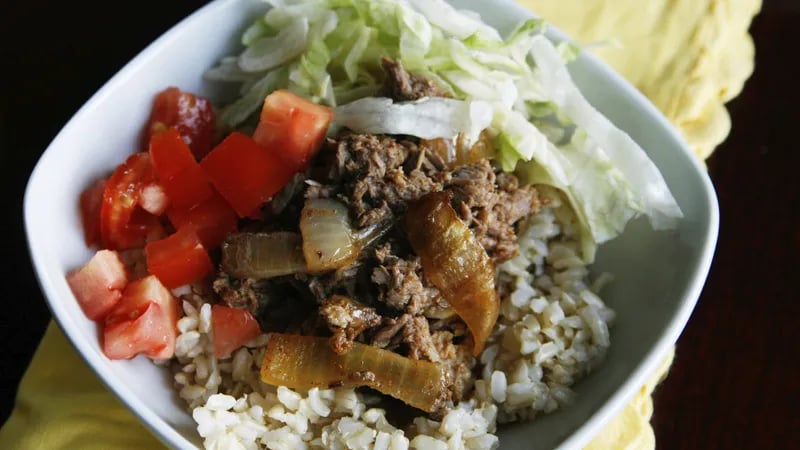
{"points": [[190, 114], [121, 198], [144, 321], [184, 181], [292, 127], [98, 284], [245, 173], [90, 203], [213, 219], [232, 329], [178, 259]]}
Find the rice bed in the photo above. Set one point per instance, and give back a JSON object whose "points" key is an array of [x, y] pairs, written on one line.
{"points": [[552, 330]]}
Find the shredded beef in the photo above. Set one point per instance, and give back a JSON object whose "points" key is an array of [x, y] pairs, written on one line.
{"points": [[402, 86], [346, 319], [490, 204], [457, 360], [278, 304], [401, 283], [244, 293], [417, 335], [389, 335], [343, 281], [375, 175]]}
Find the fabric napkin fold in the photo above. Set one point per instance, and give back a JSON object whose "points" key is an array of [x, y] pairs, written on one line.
{"points": [[688, 56]]}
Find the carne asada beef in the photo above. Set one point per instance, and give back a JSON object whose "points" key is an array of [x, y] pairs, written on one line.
{"points": [[346, 319], [402, 86], [279, 304], [401, 283], [490, 204], [244, 293], [370, 174]]}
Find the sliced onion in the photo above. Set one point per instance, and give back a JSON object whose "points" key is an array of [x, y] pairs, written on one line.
{"points": [[458, 151], [262, 255], [455, 262], [305, 362], [328, 241]]}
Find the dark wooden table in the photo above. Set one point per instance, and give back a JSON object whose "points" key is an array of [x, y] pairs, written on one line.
{"points": [[735, 383]]}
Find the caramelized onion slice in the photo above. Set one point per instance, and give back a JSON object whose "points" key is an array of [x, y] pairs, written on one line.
{"points": [[457, 151], [262, 255], [329, 241], [455, 262], [304, 362]]}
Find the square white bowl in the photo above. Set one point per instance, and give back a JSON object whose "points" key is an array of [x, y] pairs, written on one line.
{"points": [[658, 275]]}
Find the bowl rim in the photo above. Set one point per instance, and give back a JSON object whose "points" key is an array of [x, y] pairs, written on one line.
{"points": [[620, 396]]}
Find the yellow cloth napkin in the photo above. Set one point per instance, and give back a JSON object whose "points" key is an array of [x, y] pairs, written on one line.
{"points": [[687, 56]]}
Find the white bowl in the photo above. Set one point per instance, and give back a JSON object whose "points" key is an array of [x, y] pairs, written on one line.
{"points": [[658, 275]]}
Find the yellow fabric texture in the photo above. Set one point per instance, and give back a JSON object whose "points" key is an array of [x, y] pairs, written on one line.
{"points": [[688, 56]]}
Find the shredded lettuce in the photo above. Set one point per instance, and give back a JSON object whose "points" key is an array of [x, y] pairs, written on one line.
{"points": [[454, 22], [272, 51], [646, 187], [428, 118], [517, 87]]}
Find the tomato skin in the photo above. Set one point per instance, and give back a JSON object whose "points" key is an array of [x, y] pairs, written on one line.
{"points": [[121, 197], [90, 203], [178, 259], [185, 183], [192, 115], [98, 284], [144, 321], [213, 219], [292, 127], [232, 329], [245, 173], [170, 154]]}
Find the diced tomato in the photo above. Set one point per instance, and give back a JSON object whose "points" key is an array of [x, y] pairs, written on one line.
{"points": [[292, 127], [178, 259], [146, 225], [170, 154], [190, 114], [91, 202], [184, 181], [213, 219], [245, 173], [153, 199], [144, 321], [120, 200], [98, 284], [232, 329]]}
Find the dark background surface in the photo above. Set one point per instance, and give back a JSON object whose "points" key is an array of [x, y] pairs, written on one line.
{"points": [[735, 383]]}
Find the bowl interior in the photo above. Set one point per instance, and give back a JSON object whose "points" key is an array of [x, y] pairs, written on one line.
{"points": [[658, 275]]}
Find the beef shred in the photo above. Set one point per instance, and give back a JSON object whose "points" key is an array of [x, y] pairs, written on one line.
{"points": [[384, 299], [402, 86]]}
